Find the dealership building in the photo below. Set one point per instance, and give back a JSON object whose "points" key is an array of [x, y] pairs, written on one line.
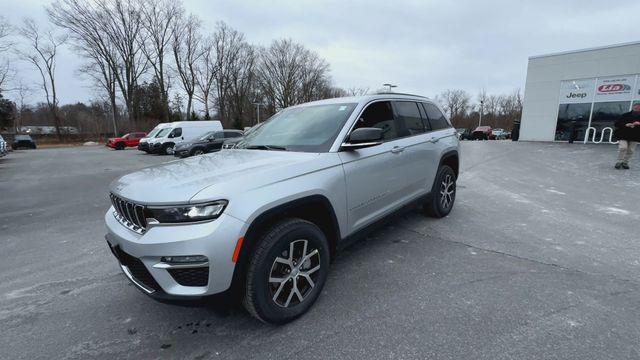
{"points": [[581, 92]]}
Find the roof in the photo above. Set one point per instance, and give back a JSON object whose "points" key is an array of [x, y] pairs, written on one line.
{"points": [[586, 49], [365, 98]]}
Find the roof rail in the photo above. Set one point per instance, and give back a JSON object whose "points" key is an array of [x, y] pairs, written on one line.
{"points": [[396, 93]]}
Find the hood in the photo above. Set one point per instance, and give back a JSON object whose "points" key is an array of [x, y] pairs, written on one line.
{"points": [[222, 174]]}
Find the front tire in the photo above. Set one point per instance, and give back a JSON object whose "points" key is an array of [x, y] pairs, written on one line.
{"points": [[287, 271], [167, 149], [120, 146], [197, 152], [443, 193]]}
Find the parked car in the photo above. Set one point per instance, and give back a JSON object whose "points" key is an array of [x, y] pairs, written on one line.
{"points": [[209, 142], [143, 144], [268, 216], [481, 133], [179, 131], [23, 142], [231, 143], [464, 134], [498, 134], [128, 140], [3, 147]]}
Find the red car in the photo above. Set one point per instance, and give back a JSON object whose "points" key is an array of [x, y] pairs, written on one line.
{"points": [[481, 133], [128, 140]]}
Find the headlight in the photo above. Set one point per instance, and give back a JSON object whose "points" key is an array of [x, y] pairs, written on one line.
{"points": [[187, 213]]}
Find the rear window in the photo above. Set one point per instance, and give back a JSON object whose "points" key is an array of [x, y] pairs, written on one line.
{"points": [[436, 118]]}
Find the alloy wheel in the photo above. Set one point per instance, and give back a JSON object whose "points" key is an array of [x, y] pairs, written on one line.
{"points": [[447, 190], [294, 274]]}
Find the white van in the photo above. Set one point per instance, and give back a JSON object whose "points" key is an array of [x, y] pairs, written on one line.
{"points": [[178, 131], [143, 145]]}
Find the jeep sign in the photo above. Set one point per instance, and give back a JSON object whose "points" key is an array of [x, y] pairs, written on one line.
{"points": [[577, 91]]}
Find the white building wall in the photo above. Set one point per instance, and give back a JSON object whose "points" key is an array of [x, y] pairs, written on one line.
{"points": [[544, 74]]}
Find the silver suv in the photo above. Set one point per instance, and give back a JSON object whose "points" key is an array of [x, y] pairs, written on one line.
{"points": [[264, 219]]}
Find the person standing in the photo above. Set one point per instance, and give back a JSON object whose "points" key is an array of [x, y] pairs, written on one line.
{"points": [[628, 134]]}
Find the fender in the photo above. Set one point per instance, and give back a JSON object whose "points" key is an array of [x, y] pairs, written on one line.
{"points": [[295, 208]]}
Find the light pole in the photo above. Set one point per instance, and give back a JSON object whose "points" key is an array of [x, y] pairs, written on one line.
{"points": [[481, 111], [258, 111], [390, 86]]}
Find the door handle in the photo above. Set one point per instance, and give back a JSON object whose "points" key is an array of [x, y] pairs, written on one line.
{"points": [[397, 149], [434, 140]]}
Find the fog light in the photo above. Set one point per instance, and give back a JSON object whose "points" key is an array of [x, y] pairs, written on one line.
{"points": [[184, 259]]}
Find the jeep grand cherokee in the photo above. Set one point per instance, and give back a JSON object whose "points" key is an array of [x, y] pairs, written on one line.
{"points": [[267, 216]]}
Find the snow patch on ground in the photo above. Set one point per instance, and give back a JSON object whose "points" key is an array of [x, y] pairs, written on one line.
{"points": [[556, 192], [614, 210]]}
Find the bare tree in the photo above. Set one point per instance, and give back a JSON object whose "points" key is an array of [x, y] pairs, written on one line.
{"points": [[121, 21], [106, 33], [226, 43], [455, 102], [5, 45], [357, 91], [41, 53], [187, 50], [289, 74], [234, 75], [104, 78], [205, 75], [23, 91], [158, 20]]}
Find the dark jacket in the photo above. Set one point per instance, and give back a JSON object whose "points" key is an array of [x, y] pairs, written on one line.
{"points": [[625, 133]]}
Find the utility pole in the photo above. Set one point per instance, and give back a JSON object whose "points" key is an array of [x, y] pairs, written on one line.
{"points": [[481, 111], [390, 86], [258, 111]]}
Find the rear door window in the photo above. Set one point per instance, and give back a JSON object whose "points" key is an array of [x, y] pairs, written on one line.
{"points": [[231, 134], [437, 120], [409, 118]]}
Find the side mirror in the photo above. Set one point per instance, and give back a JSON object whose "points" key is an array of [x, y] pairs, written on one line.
{"points": [[362, 138]]}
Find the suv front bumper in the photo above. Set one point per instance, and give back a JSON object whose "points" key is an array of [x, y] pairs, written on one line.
{"points": [[140, 256]]}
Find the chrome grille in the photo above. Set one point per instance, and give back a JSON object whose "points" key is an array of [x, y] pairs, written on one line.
{"points": [[129, 214]]}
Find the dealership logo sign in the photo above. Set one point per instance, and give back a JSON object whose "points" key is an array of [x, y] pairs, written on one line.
{"points": [[608, 88], [573, 95]]}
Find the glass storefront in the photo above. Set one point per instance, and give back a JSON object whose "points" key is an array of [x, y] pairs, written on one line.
{"points": [[589, 108], [604, 116], [572, 118]]}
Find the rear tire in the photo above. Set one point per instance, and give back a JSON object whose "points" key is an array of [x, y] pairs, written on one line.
{"points": [[443, 193], [286, 272]]}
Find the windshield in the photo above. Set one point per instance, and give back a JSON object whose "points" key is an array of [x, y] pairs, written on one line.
{"points": [[153, 132], [307, 129], [163, 132], [23, 137]]}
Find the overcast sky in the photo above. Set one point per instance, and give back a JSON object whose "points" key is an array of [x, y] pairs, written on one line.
{"points": [[424, 46]]}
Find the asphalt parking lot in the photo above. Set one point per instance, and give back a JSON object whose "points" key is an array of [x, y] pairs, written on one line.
{"points": [[540, 258]]}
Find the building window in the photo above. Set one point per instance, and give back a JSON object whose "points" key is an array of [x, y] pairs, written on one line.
{"points": [[572, 119], [605, 114]]}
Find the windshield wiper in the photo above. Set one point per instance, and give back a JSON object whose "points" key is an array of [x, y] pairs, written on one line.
{"points": [[265, 147]]}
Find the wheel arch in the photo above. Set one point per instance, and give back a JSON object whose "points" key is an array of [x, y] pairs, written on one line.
{"points": [[452, 159], [314, 208]]}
